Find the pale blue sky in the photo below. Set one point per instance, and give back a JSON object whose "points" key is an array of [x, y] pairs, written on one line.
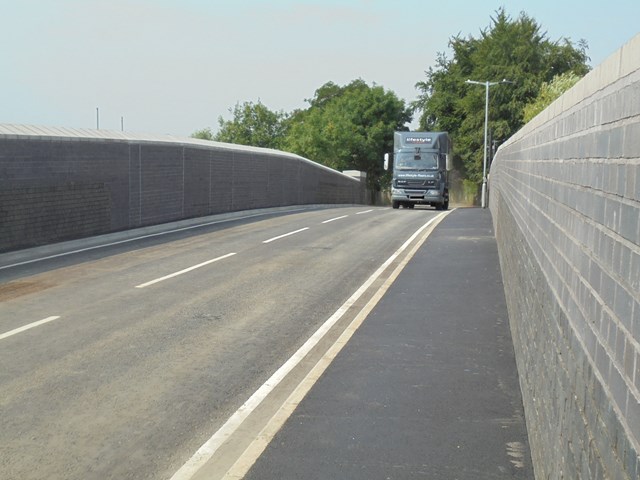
{"points": [[174, 66]]}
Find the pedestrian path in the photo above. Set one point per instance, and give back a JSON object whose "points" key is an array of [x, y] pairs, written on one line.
{"points": [[427, 387]]}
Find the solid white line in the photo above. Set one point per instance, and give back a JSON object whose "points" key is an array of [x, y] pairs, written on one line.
{"points": [[262, 440], [365, 211], [184, 271], [337, 218], [27, 327], [285, 235], [209, 448]]}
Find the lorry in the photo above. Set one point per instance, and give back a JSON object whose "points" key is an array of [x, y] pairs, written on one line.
{"points": [[421, 164]]}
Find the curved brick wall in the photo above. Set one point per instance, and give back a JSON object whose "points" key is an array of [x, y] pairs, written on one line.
{"points": [[565, 201], [59, 184]]}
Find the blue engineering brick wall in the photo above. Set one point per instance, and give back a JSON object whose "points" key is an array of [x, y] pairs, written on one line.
{"points": [[565, 200], [58, 184]]}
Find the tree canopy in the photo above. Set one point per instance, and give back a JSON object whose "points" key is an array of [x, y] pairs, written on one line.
{"points": [[351, 126], [204, 134], [516, 50], [549, 91], [253, 124], [345, 127], [348, 127]]}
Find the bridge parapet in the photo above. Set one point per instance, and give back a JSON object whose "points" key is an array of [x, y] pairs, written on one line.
{"points": [[60, 183], [565, 201]]}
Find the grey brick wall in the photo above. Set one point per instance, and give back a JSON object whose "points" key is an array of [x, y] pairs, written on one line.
{"points": [[58, 184], [565, 201]]}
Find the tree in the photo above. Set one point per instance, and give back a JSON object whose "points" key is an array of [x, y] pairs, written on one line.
{"points": [[549, 91], [516, 50], [204, 134], [348, 127], [253, 124]]}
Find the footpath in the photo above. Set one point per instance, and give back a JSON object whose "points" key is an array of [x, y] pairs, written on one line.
{"points": [[427, 387]]}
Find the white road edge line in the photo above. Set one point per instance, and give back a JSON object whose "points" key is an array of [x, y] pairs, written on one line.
{"points": [[166, 277], [365, 211], [209, 448], [285, 235], [246, 460], [27, 327], [334, 219]]}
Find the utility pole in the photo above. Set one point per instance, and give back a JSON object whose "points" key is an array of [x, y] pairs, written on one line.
{"points": [[486, 84]]}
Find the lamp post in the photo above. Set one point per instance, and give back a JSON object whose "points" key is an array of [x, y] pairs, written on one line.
{"points": [[486, 131]]}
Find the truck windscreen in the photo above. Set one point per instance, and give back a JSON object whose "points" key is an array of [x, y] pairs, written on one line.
{"points": [[413, 161]]}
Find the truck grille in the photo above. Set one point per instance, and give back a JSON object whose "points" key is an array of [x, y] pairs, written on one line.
{"points": [[415, 183]]}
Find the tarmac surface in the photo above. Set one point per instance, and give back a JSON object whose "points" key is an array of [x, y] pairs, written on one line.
{"points": [[427, 387]]}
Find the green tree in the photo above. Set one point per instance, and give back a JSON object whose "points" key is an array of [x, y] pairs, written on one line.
{"points": [[516, 50], [204, 134], [549, 91], [348, 127], [253, 124]]}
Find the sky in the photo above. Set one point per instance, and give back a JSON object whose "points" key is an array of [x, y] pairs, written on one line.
{"points": [[176, 66]]}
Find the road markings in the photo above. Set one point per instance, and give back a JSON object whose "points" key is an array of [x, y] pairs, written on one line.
{"points": [[516, 451], [142, 237], [209, 448], [365, 211], [246, 460], [285, 235], [27, 327], [334, 219], [186, 270]]}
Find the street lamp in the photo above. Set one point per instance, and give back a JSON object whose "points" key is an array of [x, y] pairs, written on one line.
{"points": [[486, 128]]}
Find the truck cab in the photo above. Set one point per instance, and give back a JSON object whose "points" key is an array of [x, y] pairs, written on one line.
{"points": [[421, 162]]}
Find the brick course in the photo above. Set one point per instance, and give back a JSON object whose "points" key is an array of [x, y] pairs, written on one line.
{"points": [[60, 187], [564, 195]]}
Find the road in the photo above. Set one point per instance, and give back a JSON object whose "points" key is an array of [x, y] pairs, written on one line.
{"points": [[122, 361]]}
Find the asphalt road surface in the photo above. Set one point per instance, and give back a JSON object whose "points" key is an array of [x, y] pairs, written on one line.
{"points": [[122, 361]]}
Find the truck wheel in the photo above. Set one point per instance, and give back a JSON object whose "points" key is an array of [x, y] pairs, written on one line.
{"points": [[395, 204], [445, 205]]}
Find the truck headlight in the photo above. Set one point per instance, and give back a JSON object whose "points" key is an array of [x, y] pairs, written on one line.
{"points": [[397, 191]]}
